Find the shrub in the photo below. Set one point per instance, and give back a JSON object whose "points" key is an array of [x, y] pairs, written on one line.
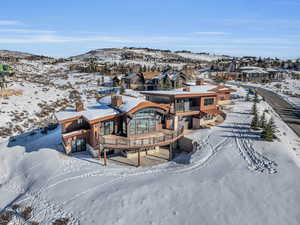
{"points": [[26, 213], [61, 221], [5, 218]]}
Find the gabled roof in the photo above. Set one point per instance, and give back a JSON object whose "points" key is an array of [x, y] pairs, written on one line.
{"points": [[173, 75], [130, 76], [150, 75]]}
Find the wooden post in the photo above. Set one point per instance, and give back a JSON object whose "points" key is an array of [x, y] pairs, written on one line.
{"points": [[100, 150], [170, 152], [139, 158], [105, 163], [99, 154]]}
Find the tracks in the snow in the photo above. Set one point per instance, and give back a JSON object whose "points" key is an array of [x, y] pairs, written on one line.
{"points": [[256, 161]]}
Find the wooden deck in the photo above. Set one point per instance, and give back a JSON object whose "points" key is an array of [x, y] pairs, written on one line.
{"points": [[161, 138]]}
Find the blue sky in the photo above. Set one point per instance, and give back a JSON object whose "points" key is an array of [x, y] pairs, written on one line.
{"points": [[234, 27]]}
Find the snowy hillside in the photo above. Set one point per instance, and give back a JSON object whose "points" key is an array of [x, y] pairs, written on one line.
{"points": [[229, 180], [149, 56], [7, 53]]}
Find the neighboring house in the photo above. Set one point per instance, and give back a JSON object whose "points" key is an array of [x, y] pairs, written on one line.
{"points": [[169, 79], [6, 72], [117, 125], [166, 80], [149, 81], [133, 81], [195, 106], [258, 74]]}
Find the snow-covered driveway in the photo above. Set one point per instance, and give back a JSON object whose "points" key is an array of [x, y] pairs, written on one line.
{"points": [[228, 181]]}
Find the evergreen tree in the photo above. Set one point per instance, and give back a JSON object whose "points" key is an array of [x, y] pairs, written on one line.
{"points": [[267, 133], [255, 122], [247, 97], [256, 98], [272, 126], [262, 121], [254, 109]]}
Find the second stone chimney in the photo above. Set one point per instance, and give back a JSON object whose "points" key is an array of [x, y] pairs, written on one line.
{"points": [[187, 89], [116, 100], [199, 82], [79, 106]]}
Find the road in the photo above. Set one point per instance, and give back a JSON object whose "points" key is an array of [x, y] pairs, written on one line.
{"points": [[287, 112]]}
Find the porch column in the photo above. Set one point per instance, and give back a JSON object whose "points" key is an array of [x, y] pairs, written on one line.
{"points": [[171, 152], [175, 122], [105, 163], [99, 152], [139, 158]]}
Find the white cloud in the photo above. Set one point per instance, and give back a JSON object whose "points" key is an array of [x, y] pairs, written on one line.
{"points": [[49, 37], [210, 33], [28, 31], [9, 22]]}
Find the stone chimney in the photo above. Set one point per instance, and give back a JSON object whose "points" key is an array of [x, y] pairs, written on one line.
{"points": [[199, 82], [187, 89], [79, 106], [116, 101]]}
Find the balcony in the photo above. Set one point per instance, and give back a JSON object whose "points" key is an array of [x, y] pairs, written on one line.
{"points": [[160, 138]]}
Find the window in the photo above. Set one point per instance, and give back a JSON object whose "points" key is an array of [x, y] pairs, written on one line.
{"points": [[182, 105], [142, 126], [208, 117], [208, 101], [80, 121], [107, 128]]}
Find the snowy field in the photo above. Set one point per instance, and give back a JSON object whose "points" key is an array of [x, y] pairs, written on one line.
{"points": [[234, 178]]}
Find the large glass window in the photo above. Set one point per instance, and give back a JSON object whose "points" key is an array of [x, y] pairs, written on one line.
{"points": [[142, 126], [182, 105], [208, 101], [144, 121], [107, 127]]}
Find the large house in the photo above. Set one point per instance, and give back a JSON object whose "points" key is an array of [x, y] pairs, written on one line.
{"points": [[168, 79], [117, 125], [124, 125], [258, 74]]}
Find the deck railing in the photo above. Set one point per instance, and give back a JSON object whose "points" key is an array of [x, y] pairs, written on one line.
{"points": [[124, 142]]}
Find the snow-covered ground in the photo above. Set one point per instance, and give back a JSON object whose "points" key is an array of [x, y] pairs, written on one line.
{"points": [[225, 182]]}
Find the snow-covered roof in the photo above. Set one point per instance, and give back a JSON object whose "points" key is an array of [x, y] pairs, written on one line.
{"points": [[128, 102], [202, 89], [256, 71], [92, 112], [170, 73], [129, 76], [205, 70], [250, 68], [271, 70]]}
